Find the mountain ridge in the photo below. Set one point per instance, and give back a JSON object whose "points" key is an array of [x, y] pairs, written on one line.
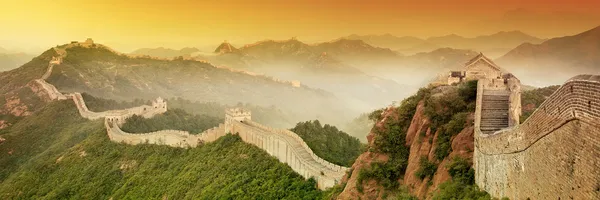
{"points": [[578, 53], [495, 44], [102, 72]]}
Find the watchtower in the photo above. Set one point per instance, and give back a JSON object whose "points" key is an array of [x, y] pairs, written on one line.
{"points": [[89, 41], [159, 104], [234, 115]]}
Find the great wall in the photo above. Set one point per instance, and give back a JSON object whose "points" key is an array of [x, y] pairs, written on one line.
{"points": [[554, 154], [283, 144]]}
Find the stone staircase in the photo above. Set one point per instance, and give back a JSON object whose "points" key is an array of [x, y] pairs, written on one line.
{"points": [[494, 110]]}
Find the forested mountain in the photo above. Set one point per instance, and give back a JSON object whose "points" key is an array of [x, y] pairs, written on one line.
{"points": [[73, 158]]}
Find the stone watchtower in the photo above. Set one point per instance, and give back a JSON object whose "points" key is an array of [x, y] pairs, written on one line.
{"points": [[159, 104], [234, 115], [89, 41]]}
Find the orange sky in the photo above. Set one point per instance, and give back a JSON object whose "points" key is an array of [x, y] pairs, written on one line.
{"points": [[176, 23]]}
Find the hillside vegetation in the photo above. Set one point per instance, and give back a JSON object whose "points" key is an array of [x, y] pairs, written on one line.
{"points": [[328, 142], [56, 154], [173, 119]]}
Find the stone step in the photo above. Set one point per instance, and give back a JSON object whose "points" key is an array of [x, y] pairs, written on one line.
{"points": [[494, 125], [495, 103], [496, 92], [494, 120], [505, 119], [491, 107], [496, 95], [495, 98], [489, 131], [494, 115], [494, 111], [490, 128]]}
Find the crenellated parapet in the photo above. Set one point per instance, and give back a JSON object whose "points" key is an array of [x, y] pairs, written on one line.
{"points": [[554, 154]]}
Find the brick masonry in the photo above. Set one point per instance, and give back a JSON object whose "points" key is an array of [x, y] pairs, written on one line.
{"points": [[554, 154]]}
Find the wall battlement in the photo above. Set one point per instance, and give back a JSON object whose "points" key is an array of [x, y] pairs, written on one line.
{"points": [[554, 154]]}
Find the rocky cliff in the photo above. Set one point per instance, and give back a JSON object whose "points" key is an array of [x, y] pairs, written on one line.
{"points": [[422, 140]]}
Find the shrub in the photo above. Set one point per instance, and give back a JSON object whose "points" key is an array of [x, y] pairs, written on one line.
{"points": [[468, 90], [426, 168], [376, 115], [461, 171], [456, 190], [461, 186], [385, 173], [450, 129]]}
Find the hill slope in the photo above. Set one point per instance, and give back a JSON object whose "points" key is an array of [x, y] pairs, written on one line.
{"points": [[556, 59], [20, 96]]}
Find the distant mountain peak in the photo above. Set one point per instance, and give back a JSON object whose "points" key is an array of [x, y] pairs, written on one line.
{"points": [[225, 47], [593, 31]]}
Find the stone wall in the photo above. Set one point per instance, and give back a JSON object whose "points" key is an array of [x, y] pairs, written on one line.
{"points": [[50, 90], [172, 138], [119, 116], [288, 148], [554, 154], [303, 144]]}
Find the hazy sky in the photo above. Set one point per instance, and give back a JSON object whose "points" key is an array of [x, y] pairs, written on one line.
{"points": [[132, 24]]}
